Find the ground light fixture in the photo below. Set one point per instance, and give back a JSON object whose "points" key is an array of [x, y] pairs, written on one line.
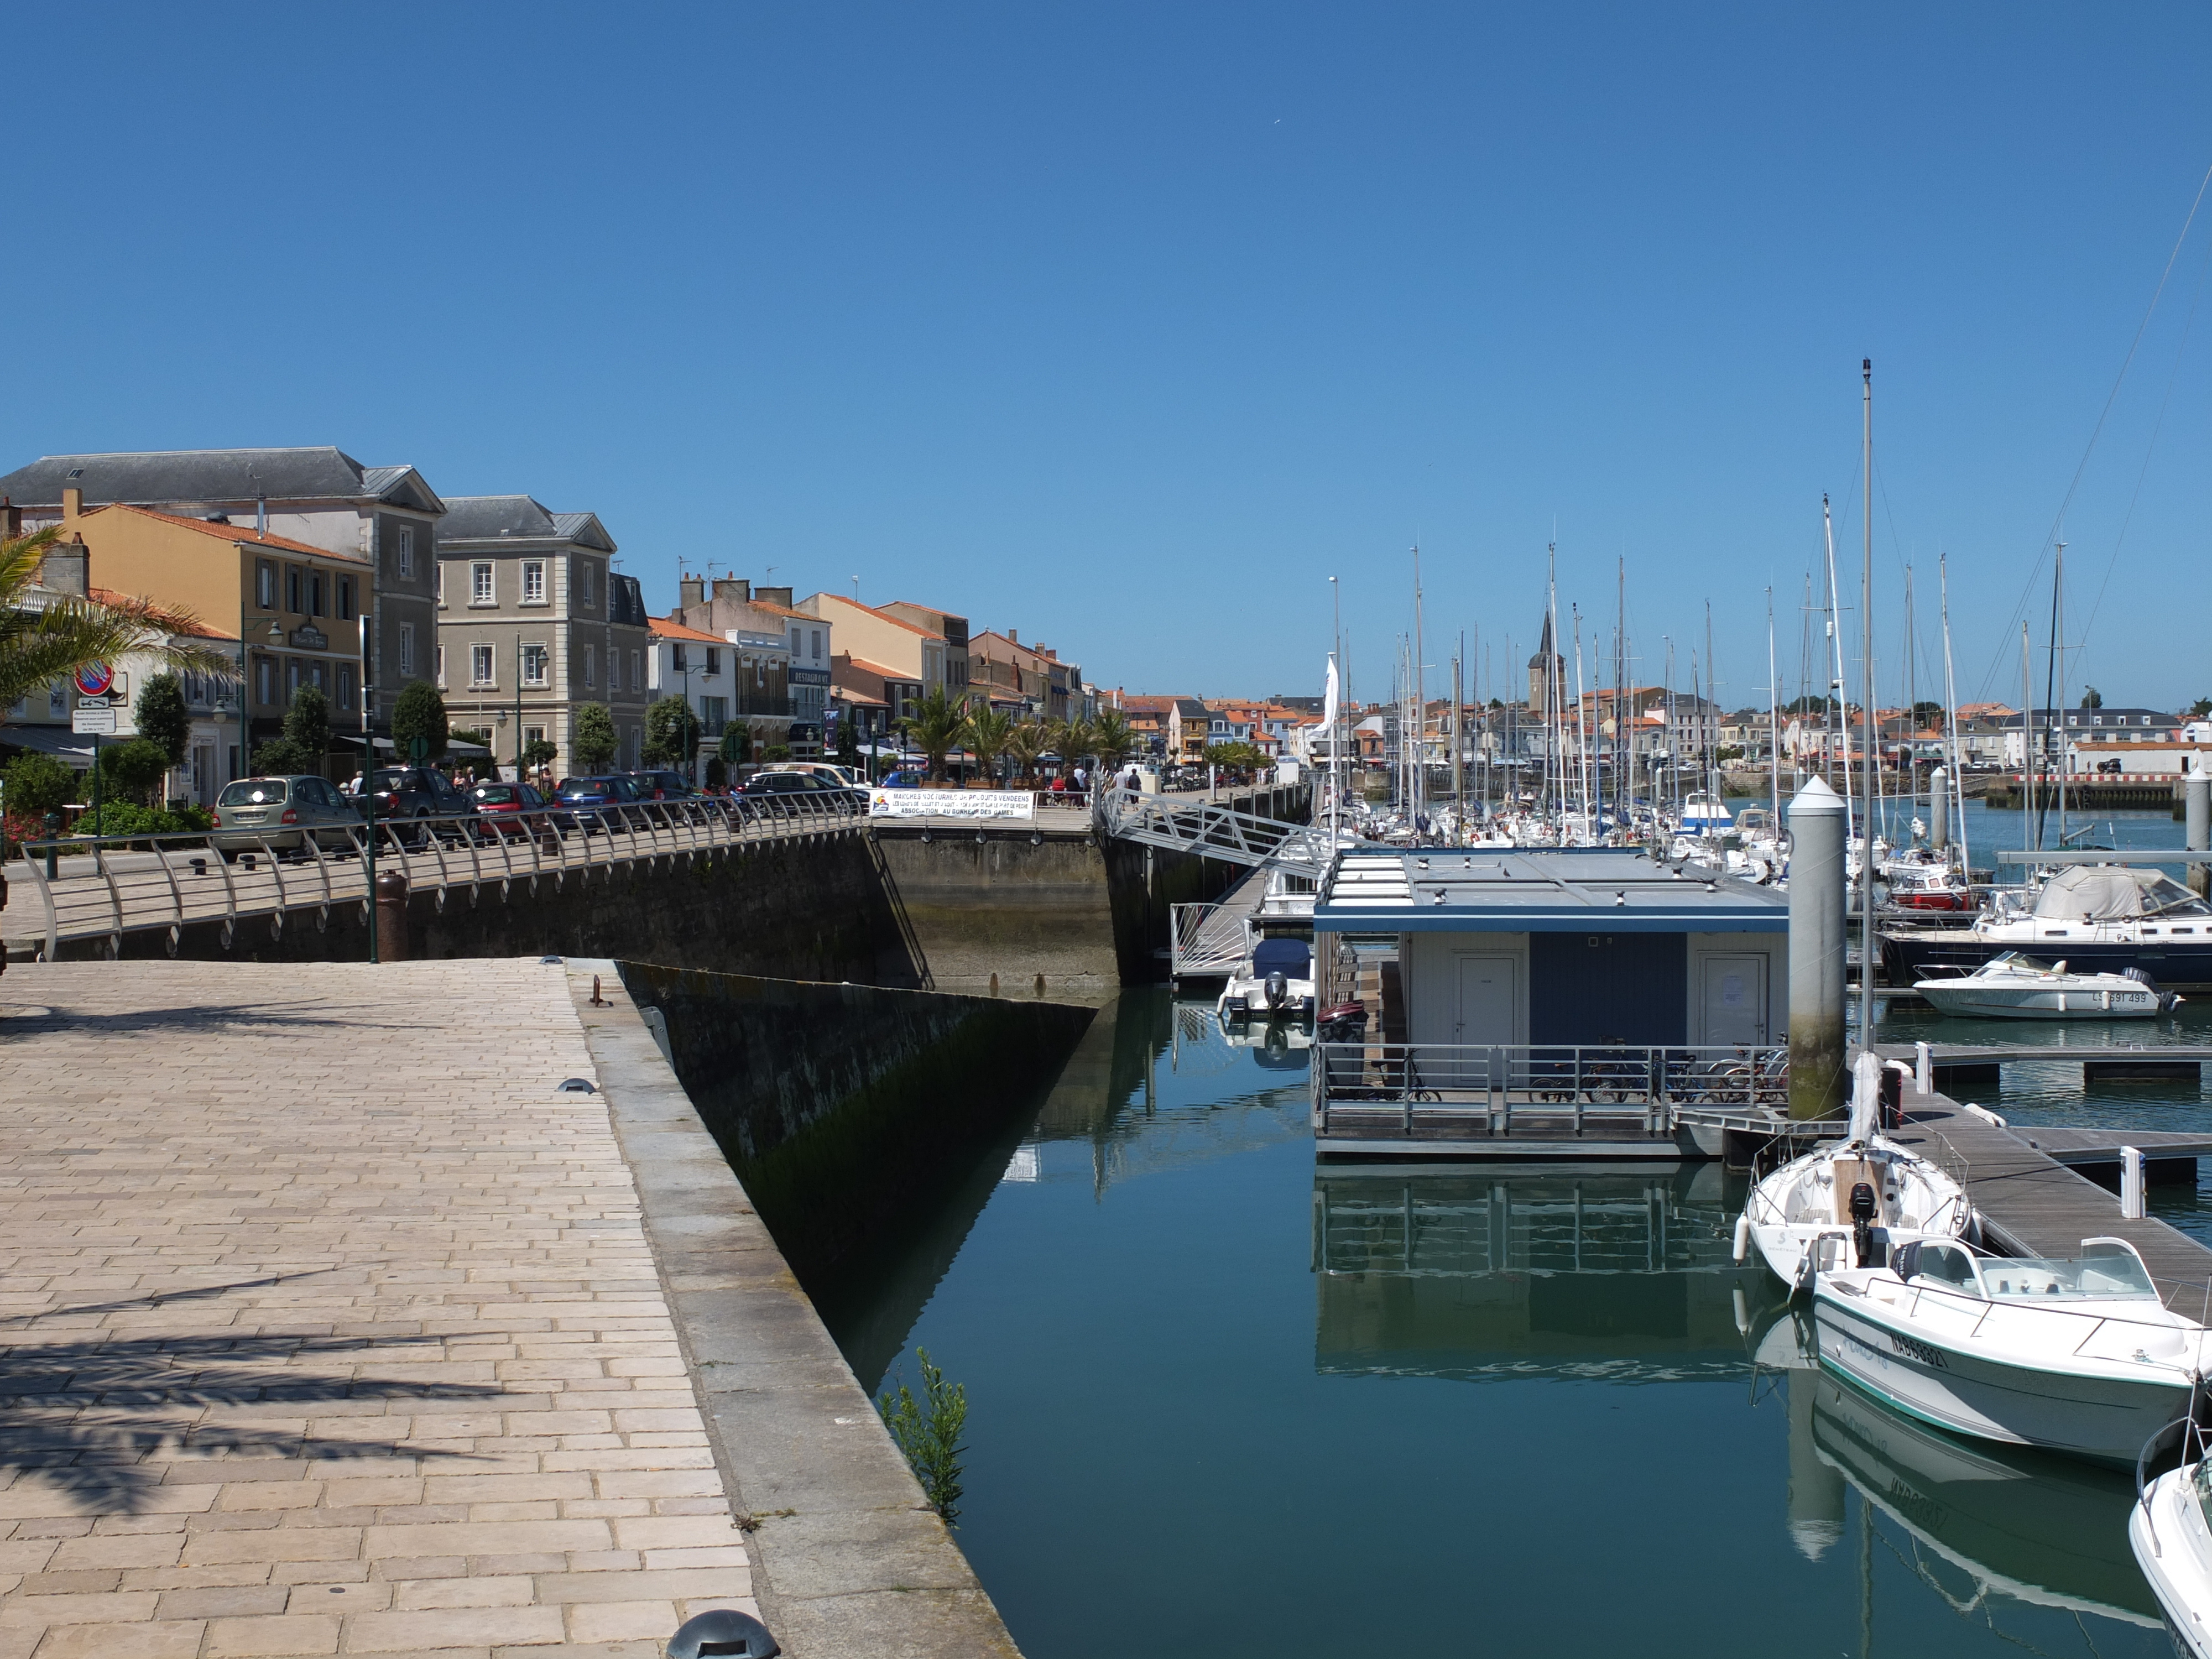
{"points": [[723, 1631]]}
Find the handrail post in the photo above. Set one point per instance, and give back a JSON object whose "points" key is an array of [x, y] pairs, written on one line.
{"points": [[47, 896]]}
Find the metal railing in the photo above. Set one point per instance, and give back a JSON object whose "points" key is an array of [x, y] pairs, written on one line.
{"points": [[1205, 940], [1211, 829], [111, 885], [1484, 1087]]}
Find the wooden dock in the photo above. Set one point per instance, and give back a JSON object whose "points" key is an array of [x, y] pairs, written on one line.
{"points": [[1965, 1066], [2032, 1203]]}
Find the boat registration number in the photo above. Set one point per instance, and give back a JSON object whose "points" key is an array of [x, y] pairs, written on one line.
{"points": [[1932, 1358]]}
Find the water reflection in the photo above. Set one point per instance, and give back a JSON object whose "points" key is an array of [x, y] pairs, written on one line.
{"points": [[1518, 1274]]}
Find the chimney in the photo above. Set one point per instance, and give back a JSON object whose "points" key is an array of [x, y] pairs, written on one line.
{"points": [[72, 503], [1013, 636], [689, 591], [67, 568], [11, 519], [730, 588], [773, 596]]}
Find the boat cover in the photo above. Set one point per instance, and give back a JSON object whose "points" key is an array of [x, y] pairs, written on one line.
{"points": [[1288, 957], [2107, 892]]}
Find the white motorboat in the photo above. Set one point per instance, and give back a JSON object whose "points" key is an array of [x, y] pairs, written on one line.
{"points": [[2109, 917], [2016, 986], [1274, 982], [2079, 1355], [1866, 1191], [2171, 1531], [1705, 814]]}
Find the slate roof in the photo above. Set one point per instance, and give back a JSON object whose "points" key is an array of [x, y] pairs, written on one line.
{"points": [[182, 476], [519, 518]]}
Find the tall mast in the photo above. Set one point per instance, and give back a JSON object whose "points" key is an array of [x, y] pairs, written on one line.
{"points": [[2055, 679], [1582, 749], [1866, 604], [2029, 821], [1951, 718], [1420, 699], [1712, 707], [1555, 714], [1624, 747], [1773, 721], [1912, 701]]}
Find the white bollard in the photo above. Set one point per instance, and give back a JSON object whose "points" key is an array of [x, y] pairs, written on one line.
{"points": [[2131, 1184], [1924, 1069], [1939, 808]]}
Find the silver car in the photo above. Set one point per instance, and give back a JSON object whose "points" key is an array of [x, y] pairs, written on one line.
{"points": [[297, 813]]}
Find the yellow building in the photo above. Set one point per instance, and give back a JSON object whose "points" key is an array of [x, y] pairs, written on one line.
{"points": [[297, 607]]}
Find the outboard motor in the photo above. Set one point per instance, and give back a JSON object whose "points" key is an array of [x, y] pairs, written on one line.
{"points": [[2167, 1001], [1277, 988], [1864, 1211]]}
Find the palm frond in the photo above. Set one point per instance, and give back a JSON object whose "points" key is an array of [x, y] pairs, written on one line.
{"points": [[48, 641]]}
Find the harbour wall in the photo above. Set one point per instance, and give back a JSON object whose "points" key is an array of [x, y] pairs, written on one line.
{"points": [[842, 1107]]}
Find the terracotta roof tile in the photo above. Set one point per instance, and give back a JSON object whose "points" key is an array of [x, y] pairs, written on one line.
{"points": [[227, 532], [667, 628]]}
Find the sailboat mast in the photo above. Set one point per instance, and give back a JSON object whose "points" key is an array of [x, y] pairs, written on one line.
{"points": [[2029, 820], [2055, 676], [1555, 714], [1773, 721], [1713, 707], [1420, 699], [1866, 604], [1957, 786]]}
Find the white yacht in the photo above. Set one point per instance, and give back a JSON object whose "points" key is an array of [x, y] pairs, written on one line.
{"points": [[2076, 1355], [2170, 1529], [2102, 918], [1865, 1194], [2016, 986], [1705, 814]]}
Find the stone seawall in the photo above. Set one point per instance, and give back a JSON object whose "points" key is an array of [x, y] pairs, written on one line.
{"points": [[840, 1106]]}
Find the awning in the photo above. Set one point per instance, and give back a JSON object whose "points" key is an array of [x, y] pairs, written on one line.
{"points": [[73, 748]]}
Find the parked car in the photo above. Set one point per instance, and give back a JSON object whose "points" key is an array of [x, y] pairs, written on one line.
{"points": [[410, 791], [901, 779], [512, 809], [663, 785], [800, 788], [293, 813], [598, 803]]}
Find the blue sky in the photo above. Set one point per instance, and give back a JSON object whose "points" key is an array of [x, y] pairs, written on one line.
{"points": [[1127, 326]]}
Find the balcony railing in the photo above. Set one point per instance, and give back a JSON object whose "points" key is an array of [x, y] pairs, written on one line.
{"points": [[1488, 1089]]}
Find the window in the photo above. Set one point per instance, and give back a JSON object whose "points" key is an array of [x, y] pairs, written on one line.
{"points": [[533, 667], [583, 569], [438, 581], [532, 734], [56, 702], [345, 688], [316, 590], [264, 681], [406, 552], [2096, 720], [264, 585], [713, 659], [480, 665], [534, 581], [441, 675], [407, 648], [292, 589], [480, 585], [713, 715], [591, 666], [345, 599], [637, 680], [291, 678], [817, 644]]}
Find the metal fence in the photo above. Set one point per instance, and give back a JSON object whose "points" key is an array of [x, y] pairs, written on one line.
{"points": [[1481, 1088], [111, 885]]}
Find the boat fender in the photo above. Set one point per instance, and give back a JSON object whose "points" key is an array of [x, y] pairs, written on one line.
{"points": [[1743, 1236]]}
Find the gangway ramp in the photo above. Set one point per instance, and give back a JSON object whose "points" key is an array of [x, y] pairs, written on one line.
{"points": [[1213, 829]]}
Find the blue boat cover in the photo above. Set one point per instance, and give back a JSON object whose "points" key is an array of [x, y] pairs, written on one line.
{"points": [[1288, 957]]}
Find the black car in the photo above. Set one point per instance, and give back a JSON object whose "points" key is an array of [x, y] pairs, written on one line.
{"points": [[800, 789], [410, 791], [663, 785]]}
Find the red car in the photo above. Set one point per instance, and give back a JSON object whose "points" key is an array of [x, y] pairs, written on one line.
{"points": [[510, 809]]}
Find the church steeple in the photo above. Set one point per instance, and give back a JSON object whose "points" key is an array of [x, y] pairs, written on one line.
{"points": [[1546, 671]]}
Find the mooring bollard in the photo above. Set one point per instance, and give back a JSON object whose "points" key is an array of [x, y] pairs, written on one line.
{"points": [[726, 1630], [2196, 811], [2131, 1184], [1924, 1069], [391, 916], [1816, 951]]}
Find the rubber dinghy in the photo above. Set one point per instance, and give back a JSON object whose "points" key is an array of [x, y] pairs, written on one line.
{"points": [[1866, 1194], [2077, 1356]]}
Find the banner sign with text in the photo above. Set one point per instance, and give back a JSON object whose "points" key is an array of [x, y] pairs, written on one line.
{"points": [[952, 804]]}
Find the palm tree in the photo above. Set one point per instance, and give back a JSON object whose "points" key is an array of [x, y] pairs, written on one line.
{"points": [[49, 637], [1027, 741], [990, 734], [933, 725], [1111, 739]]}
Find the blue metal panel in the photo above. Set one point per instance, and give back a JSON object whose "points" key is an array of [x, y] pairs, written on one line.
{"points": [[1623, 986]]}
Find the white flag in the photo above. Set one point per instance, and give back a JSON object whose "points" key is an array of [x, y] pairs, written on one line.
{"points": [[1328, 698]]}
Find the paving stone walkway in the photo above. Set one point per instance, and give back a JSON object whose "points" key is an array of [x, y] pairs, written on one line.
{"points": [[330, 1326]]}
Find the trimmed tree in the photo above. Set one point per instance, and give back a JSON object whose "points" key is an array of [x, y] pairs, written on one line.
{"points": [[135, 769], [37, 784], [540, 751], [594, 739], [737, 744], [420, 713], [163, 719], [672, 734]]}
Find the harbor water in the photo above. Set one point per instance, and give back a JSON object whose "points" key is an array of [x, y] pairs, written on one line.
{"points": [[1224, 1400]]}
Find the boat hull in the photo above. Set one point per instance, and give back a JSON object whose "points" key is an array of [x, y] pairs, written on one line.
{"points": [[2174, 1551], [1984, 1000], [2105, 1419]]}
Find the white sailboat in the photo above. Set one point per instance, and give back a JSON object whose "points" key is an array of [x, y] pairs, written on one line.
{"points": [[1853, 1201]]}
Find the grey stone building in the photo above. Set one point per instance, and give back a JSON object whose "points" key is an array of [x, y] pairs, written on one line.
{"points": [[533, 623]]}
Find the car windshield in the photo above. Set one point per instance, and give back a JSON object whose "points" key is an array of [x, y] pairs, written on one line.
{"points": [[253, 791], [2022, 961], [496, 795], [389, 780]]}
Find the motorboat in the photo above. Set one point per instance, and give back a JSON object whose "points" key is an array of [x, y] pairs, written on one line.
{"points": [[2017, 985], [2102, 918], [1865, 1194], [2076, 1355], [1274, 982], [2170, 1528]]}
